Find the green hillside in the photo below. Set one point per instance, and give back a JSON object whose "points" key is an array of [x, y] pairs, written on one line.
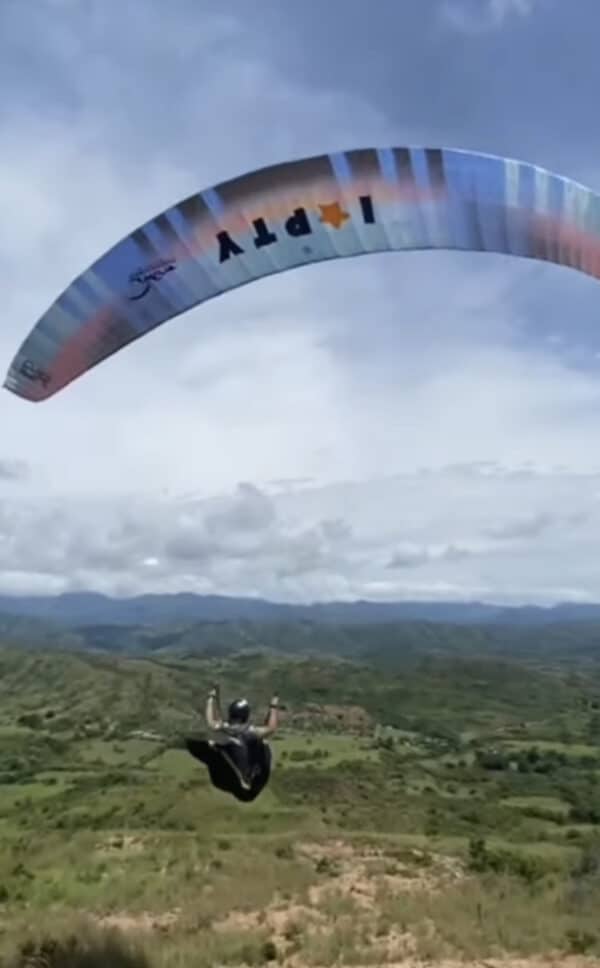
{"points": [[420, 761]]}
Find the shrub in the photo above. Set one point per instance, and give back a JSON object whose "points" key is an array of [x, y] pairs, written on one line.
{"points": [[96, 950], [579, 941], [269, 951]]}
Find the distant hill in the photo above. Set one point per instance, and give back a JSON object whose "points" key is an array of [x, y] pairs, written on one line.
{"points": [[385, 643], [89, 609]]}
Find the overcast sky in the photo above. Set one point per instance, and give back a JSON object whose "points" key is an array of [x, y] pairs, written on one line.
{"points": [[420, 425]]}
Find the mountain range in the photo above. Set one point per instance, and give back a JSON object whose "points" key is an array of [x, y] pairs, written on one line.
{"points": [[81, 609]]}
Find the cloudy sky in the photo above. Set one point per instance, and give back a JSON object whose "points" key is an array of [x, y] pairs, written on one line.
{"points": [[414, 426]]}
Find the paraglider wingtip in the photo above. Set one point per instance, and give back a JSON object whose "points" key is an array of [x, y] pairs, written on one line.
{"points": [[10, 385]]}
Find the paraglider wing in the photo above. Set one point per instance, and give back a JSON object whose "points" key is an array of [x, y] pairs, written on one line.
{"points": [[292, 214]]}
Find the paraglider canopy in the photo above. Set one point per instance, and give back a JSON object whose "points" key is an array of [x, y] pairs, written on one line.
{"points": [[293, 214]]}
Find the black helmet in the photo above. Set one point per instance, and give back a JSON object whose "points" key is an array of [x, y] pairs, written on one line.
{"points": [[239, 711]]}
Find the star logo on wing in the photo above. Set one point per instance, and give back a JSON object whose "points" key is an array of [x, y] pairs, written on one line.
{"points": [[334, 215]]}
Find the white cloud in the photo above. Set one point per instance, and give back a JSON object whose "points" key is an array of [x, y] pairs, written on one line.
{"points": [[346, 541], [411, 556], [479, 16], [338, 382], [534, 524], [13, 470]]}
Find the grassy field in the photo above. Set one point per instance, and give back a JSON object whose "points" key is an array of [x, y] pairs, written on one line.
{"points": [[322, 750], [572, 750], [382, 838], [552, 804]]}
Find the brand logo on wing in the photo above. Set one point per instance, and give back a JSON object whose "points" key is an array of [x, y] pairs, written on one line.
{"points": [[34, 373], [141, 280]]}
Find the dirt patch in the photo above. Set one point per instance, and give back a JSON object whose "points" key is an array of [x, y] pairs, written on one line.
{"points": [[143, 922], [280, 919], [121, 844], [345, 897], [350, 879], [550, 962], [360, 873], [352, 719]]}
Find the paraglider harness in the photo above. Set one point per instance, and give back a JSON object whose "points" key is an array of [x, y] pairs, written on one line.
{"points": [[239, 763], [241, 767]]}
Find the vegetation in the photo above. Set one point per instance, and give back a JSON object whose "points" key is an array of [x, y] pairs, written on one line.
{"points": [[433, 797]]}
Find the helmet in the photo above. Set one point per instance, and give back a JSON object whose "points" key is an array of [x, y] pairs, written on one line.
{"points": [[239, 711]]}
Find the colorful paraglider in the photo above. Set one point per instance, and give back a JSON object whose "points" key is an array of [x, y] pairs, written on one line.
{"points": [[292, 214]]}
